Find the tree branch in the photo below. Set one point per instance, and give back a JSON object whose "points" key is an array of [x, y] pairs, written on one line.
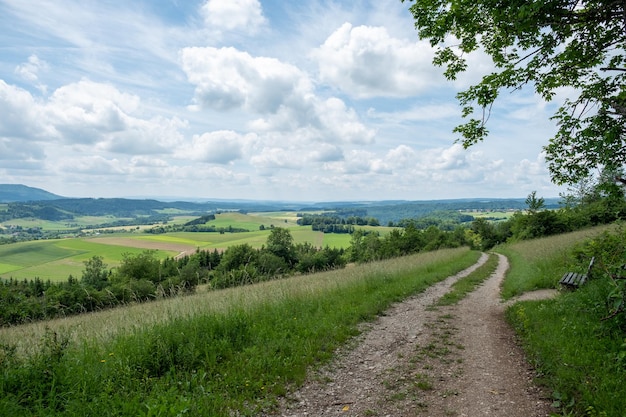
{"points": [[612, 69]]}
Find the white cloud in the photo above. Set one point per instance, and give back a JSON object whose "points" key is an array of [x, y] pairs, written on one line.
{"points": [[178, 98], [145, 161], [428, 112], [269, 160], [219, 147], [324, 152], [18, 153], [231, 15], [30, 70], [359, 162], [20, 114], [400, 157], [89, 113], [366, 61], [94, 165], [227, 79], [343, 123], [85, 112]]}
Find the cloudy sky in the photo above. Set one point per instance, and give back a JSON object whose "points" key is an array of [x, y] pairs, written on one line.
{"points": [[314, 100]]}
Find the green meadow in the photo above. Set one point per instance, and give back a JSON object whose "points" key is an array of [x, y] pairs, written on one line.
{"points": [[492, 215], [59, 258]]}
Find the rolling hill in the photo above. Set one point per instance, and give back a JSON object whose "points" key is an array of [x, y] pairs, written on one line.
{"points": [[13, 193]]}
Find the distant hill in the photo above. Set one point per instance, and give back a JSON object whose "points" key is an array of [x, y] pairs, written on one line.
{"points": [[37, 203], [11, 193]]}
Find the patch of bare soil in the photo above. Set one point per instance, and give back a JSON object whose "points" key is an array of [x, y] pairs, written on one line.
{"points": [[420, 360]]}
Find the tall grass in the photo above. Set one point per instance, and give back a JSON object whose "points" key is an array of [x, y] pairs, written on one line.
{"points": [[224, 353], [581, 358], [540, 263]]}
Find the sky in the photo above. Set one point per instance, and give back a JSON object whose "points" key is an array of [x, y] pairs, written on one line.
{"points": [[314, 100]]}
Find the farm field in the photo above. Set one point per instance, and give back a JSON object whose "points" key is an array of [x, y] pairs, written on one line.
{"points": [[62, 225], [491, 215], [57, 259]]}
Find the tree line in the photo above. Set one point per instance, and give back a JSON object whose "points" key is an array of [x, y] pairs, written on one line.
{"points": [[144, 277]]}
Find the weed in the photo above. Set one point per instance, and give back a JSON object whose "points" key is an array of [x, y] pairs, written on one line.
{"points": [[423, 382]]}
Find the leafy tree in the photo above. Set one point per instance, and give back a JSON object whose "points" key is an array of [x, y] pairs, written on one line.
{"points": [[143, 266], [237, 256], [483, 234], [549, 45], [95, 273], [280, 243], [534, 204]]}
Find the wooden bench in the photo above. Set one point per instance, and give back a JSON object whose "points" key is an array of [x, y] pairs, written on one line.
{"points": [[574, 280]]}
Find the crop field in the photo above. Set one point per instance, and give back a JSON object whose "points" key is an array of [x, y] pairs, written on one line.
{"points": [[491, 215], [77, 222], [57, 259]]}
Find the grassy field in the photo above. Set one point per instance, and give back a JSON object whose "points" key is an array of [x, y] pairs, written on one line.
{"points": [[220, 353], [57, 259], [493, 215], [77, 222]]}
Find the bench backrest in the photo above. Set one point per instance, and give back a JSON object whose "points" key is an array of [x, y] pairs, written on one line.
{"points": [[593, 259]]}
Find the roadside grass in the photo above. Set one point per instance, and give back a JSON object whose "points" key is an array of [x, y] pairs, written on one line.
{"points": [[220, 353], [579, 356], [540, 263], [465, 285]]}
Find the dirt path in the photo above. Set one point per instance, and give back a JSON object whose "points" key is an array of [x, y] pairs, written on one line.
{"points": [[418, 360]]}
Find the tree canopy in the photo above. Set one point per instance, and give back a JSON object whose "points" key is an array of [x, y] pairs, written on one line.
{"points": [[549, 44]]}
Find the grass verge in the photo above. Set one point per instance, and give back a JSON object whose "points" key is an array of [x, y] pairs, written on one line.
{"points": [[467, 284], [231, 359], [580, 357]]}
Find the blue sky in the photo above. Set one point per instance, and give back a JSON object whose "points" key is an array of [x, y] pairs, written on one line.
{"points": [[311, 100]]}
